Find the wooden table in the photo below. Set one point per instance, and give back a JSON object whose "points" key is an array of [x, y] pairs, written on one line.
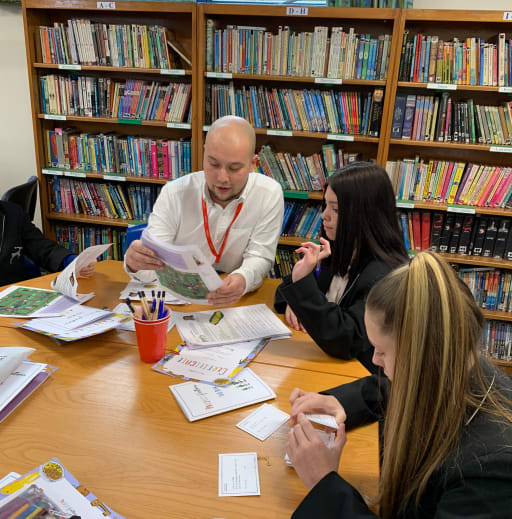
{"points": [[114, 424]]}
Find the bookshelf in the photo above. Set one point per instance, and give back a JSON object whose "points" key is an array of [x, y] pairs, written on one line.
{"points": [[96, 151]]}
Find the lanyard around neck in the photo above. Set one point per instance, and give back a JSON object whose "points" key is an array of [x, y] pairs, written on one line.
{"points": [[207, 230]]}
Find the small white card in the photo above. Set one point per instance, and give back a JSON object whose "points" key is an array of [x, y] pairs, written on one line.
{"points": [[238, 475], [322, 419], [327, 438], [264, 421]]}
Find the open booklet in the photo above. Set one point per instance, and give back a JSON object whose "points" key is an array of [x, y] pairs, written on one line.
{"points": [[18, 377], [75, 323], [187, 274], [229, 325], [52, 489]]}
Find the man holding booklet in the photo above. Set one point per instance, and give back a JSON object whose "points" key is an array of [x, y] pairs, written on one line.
{"points": [[233, 215]]}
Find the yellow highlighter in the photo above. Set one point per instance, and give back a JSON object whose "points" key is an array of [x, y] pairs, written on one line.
{"points": [[20, 483]]}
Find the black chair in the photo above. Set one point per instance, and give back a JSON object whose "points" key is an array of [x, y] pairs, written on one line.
{"points": [[24, 195]]}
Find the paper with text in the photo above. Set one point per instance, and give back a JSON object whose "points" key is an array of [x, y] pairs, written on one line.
{"points": [[264, 421], [238, 474]]}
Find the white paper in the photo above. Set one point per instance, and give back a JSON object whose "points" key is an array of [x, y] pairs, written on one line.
{"points": [[239, 324], [188, 274], [20, 301], [17, 380], [132, 289], [129, 325], [209, 364], [238, 474], [327, 438], [198, 400], [10, 358], [264, 421], [66, 282], [322, 419]]}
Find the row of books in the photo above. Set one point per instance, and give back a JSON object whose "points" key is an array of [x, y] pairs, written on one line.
{"points": [[110, 200], [456, 233], [285, 260], [473, 61], [299, 172], [87, 96], [301, 219], [451, 182], [491, 288], [87, 43], [439, 118], [120, 154], [349, 113], [497, 340], [254, 50], [77, 238]]}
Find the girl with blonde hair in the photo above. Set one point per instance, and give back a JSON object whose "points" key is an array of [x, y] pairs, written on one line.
{"points": [[445, 413]]}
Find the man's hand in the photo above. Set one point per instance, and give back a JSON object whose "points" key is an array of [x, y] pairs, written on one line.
{"points": [[292, 320], [311, 458], [302, 401], [230, 292], [312, 254], [88, 270], [138, 257]]}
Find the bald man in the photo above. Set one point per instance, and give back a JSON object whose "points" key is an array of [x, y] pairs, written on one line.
{"points": [[232, 214]]}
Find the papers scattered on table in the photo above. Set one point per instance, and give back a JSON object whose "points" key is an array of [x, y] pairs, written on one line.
{"points": [[128, 324], [198, 400], [67, 283], [18, 301], [22, 380], [218, 366], [264, 421], [238, 475], [76, 323], [187, 274], [239, 324], [133, 288], [50, 486]]}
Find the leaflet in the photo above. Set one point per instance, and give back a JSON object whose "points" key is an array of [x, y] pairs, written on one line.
{"points": [[187, 274]]}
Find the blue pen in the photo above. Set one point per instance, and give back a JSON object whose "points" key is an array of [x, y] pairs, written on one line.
{"points": [[160, 309]]}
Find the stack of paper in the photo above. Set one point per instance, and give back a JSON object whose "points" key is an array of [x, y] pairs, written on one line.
{"points": [[76, 323], [229, 325], [18, 377]]}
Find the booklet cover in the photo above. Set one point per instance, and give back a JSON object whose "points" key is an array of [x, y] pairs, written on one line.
{"points": [[187, 274], [198, 400], [52, 487]]}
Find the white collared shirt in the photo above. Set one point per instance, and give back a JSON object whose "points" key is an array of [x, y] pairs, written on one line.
{"points": [[177, 218]]}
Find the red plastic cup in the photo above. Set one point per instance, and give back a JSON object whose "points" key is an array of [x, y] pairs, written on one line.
{"points": [[152, 337]]}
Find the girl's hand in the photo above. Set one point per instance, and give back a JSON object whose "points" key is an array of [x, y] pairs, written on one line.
{"points": [[313, 253], [292, 320], [302, 401]]}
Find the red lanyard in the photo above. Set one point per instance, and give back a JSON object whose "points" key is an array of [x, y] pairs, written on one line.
{"points": [[207, 230]]}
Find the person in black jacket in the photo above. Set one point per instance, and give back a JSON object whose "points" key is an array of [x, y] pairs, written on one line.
{"points": [[325, 293], [20, 237], [446, 413]]}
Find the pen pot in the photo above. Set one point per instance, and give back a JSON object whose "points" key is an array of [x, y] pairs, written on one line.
{"points": [[152, 337]]}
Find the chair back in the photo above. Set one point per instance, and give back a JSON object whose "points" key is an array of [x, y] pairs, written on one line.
{"points": [[24, 195]]}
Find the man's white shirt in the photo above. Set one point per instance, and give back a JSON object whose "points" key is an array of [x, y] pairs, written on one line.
{"points": [[177, 218]]}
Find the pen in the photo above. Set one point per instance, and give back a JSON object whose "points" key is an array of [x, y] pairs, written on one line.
{"points": [[129, 304]]}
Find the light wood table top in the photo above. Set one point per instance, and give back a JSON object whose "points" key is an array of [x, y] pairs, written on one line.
{"points": [[114, 424]]}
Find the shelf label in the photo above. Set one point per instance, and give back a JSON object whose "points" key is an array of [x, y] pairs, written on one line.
{"points": [[179, 126], [328, 80], [505, 89], [172, 71], [405, 204], [501, 149], [78, 174], [105, 5], [297, 11], [441, 86], [206, 127], [69, 66], [220, 75], [54, 117], [280, 133], [295, 194], [56, 172], [466, 209], [339, 137], [129, 121], [118, 178], [507, 15]]}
